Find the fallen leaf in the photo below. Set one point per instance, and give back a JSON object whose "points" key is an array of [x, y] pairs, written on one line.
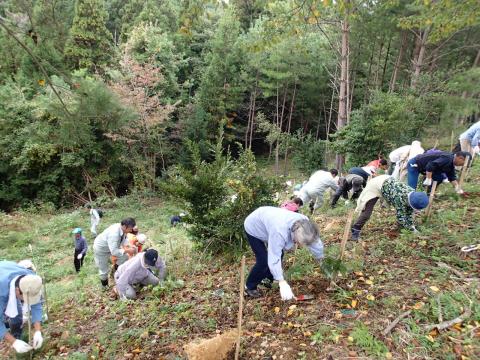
{"points": [[350, 339], [354, 303], [434, 288], [369, 282], [277, 309], [257, 334], [370, 297], [388, 355], [430, 338], [137, 351], [292, 307], [418, 305]]}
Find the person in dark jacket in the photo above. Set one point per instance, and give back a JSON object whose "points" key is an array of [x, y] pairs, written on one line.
{"points": [[433, 166]]}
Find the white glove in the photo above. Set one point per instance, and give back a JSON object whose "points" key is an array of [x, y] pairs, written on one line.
{"points": [[285, 291], [37, 340], [476, 149], [21, 347], [427, 182], [459, 190], [79, 256]]}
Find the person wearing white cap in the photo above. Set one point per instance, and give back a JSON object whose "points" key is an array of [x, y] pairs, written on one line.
{"points": [[20, 285]]}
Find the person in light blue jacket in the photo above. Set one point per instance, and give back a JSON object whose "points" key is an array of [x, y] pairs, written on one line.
{"points": [[271, 231], [469, 140], [20, 285]]}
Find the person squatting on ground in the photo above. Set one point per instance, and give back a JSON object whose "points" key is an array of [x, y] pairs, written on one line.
{"points": [[94, 219], [469, 140], [400, 156], [292, 205], [139, 270], [435, 166], [110, 243], [373, 166], [316, 186], [81, 248], [355, 180], [20, 285], [402, 197], [271, 231]]}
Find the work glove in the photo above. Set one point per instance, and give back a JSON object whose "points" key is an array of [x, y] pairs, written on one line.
{"points": [[37, 340], [79, 256], [476, 149], [459, 190], [21, 347], [427, 182], [285, 291]]}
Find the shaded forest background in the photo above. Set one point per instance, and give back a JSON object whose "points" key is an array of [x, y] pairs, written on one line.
{"points": [[102, 98]]}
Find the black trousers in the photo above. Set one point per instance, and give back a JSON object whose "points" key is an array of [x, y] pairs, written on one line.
{"points": [[78, 263], [365, 214]]}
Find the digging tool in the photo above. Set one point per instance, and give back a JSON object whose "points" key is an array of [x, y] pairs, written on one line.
{"points": [[430, 200], [468, 195], [240, 307], [471, 248], [305, 297], [346, 233], [29, 323]]}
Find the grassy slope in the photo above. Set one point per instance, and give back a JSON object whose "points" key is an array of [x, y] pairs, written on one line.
{"points": [[398, 272]]}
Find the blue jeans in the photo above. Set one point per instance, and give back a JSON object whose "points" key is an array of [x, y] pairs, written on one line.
{"points": [[260, 270], [15, 324]]}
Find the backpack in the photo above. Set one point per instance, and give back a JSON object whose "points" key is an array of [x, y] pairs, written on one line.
{"points": [[100, 213]]}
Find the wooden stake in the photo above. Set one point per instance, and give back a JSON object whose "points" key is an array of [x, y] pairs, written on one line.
{"points": [[240, 307], [430, 200], [462, 176], [29, 323], [346, 233]]}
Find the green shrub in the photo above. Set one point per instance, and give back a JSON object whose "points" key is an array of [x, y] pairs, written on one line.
{"points": [[308, 154], [218, 196]]}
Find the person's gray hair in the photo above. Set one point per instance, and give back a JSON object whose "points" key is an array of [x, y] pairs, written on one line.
{"points": [[305, 232]]}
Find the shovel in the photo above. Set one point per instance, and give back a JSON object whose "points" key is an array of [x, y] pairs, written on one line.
{"points": [[304, 297]]}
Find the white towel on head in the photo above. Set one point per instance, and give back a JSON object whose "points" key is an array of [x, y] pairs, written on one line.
{"points": [[12, 311]]}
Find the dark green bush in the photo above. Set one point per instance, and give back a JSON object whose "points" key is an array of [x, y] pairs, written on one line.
{"points": [[218, 196]]}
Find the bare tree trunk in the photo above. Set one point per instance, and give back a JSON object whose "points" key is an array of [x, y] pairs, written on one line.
{"points": [[377, 65], [280, 126], [367, 90], [385, 63], [289, 126], [476, 62], [247, 130], [418, 63], [342, 96], [252, 125], [398, 62]]}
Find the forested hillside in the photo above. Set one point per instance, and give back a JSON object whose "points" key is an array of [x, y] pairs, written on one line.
{"points": [[100, 98]]}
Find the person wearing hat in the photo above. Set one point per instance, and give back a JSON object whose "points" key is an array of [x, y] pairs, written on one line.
{"points": [[112, 242], [20, 285], [316, 186], [435, 165], [139, 270], [271, 231], [402, 197], [352, 182], [81, 248]]}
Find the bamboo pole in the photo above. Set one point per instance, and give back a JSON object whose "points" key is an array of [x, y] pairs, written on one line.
{"points": [[240, 307], [29, 322], [430, 200], [346, 233], [462, 176]]}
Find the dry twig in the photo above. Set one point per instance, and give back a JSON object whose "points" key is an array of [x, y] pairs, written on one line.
{"points": [[446, 324], [395, 322]]}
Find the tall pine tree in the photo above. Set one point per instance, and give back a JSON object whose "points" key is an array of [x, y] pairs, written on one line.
{"points": [[89, 44]]}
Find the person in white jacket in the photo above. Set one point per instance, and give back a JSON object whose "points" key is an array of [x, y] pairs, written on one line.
{"points": [[316, 186], [400, 156], [112, 242], [94, 220]]}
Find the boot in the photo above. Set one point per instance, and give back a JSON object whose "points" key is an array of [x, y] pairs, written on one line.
{"points": [[104, 283], [355, 234]]}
